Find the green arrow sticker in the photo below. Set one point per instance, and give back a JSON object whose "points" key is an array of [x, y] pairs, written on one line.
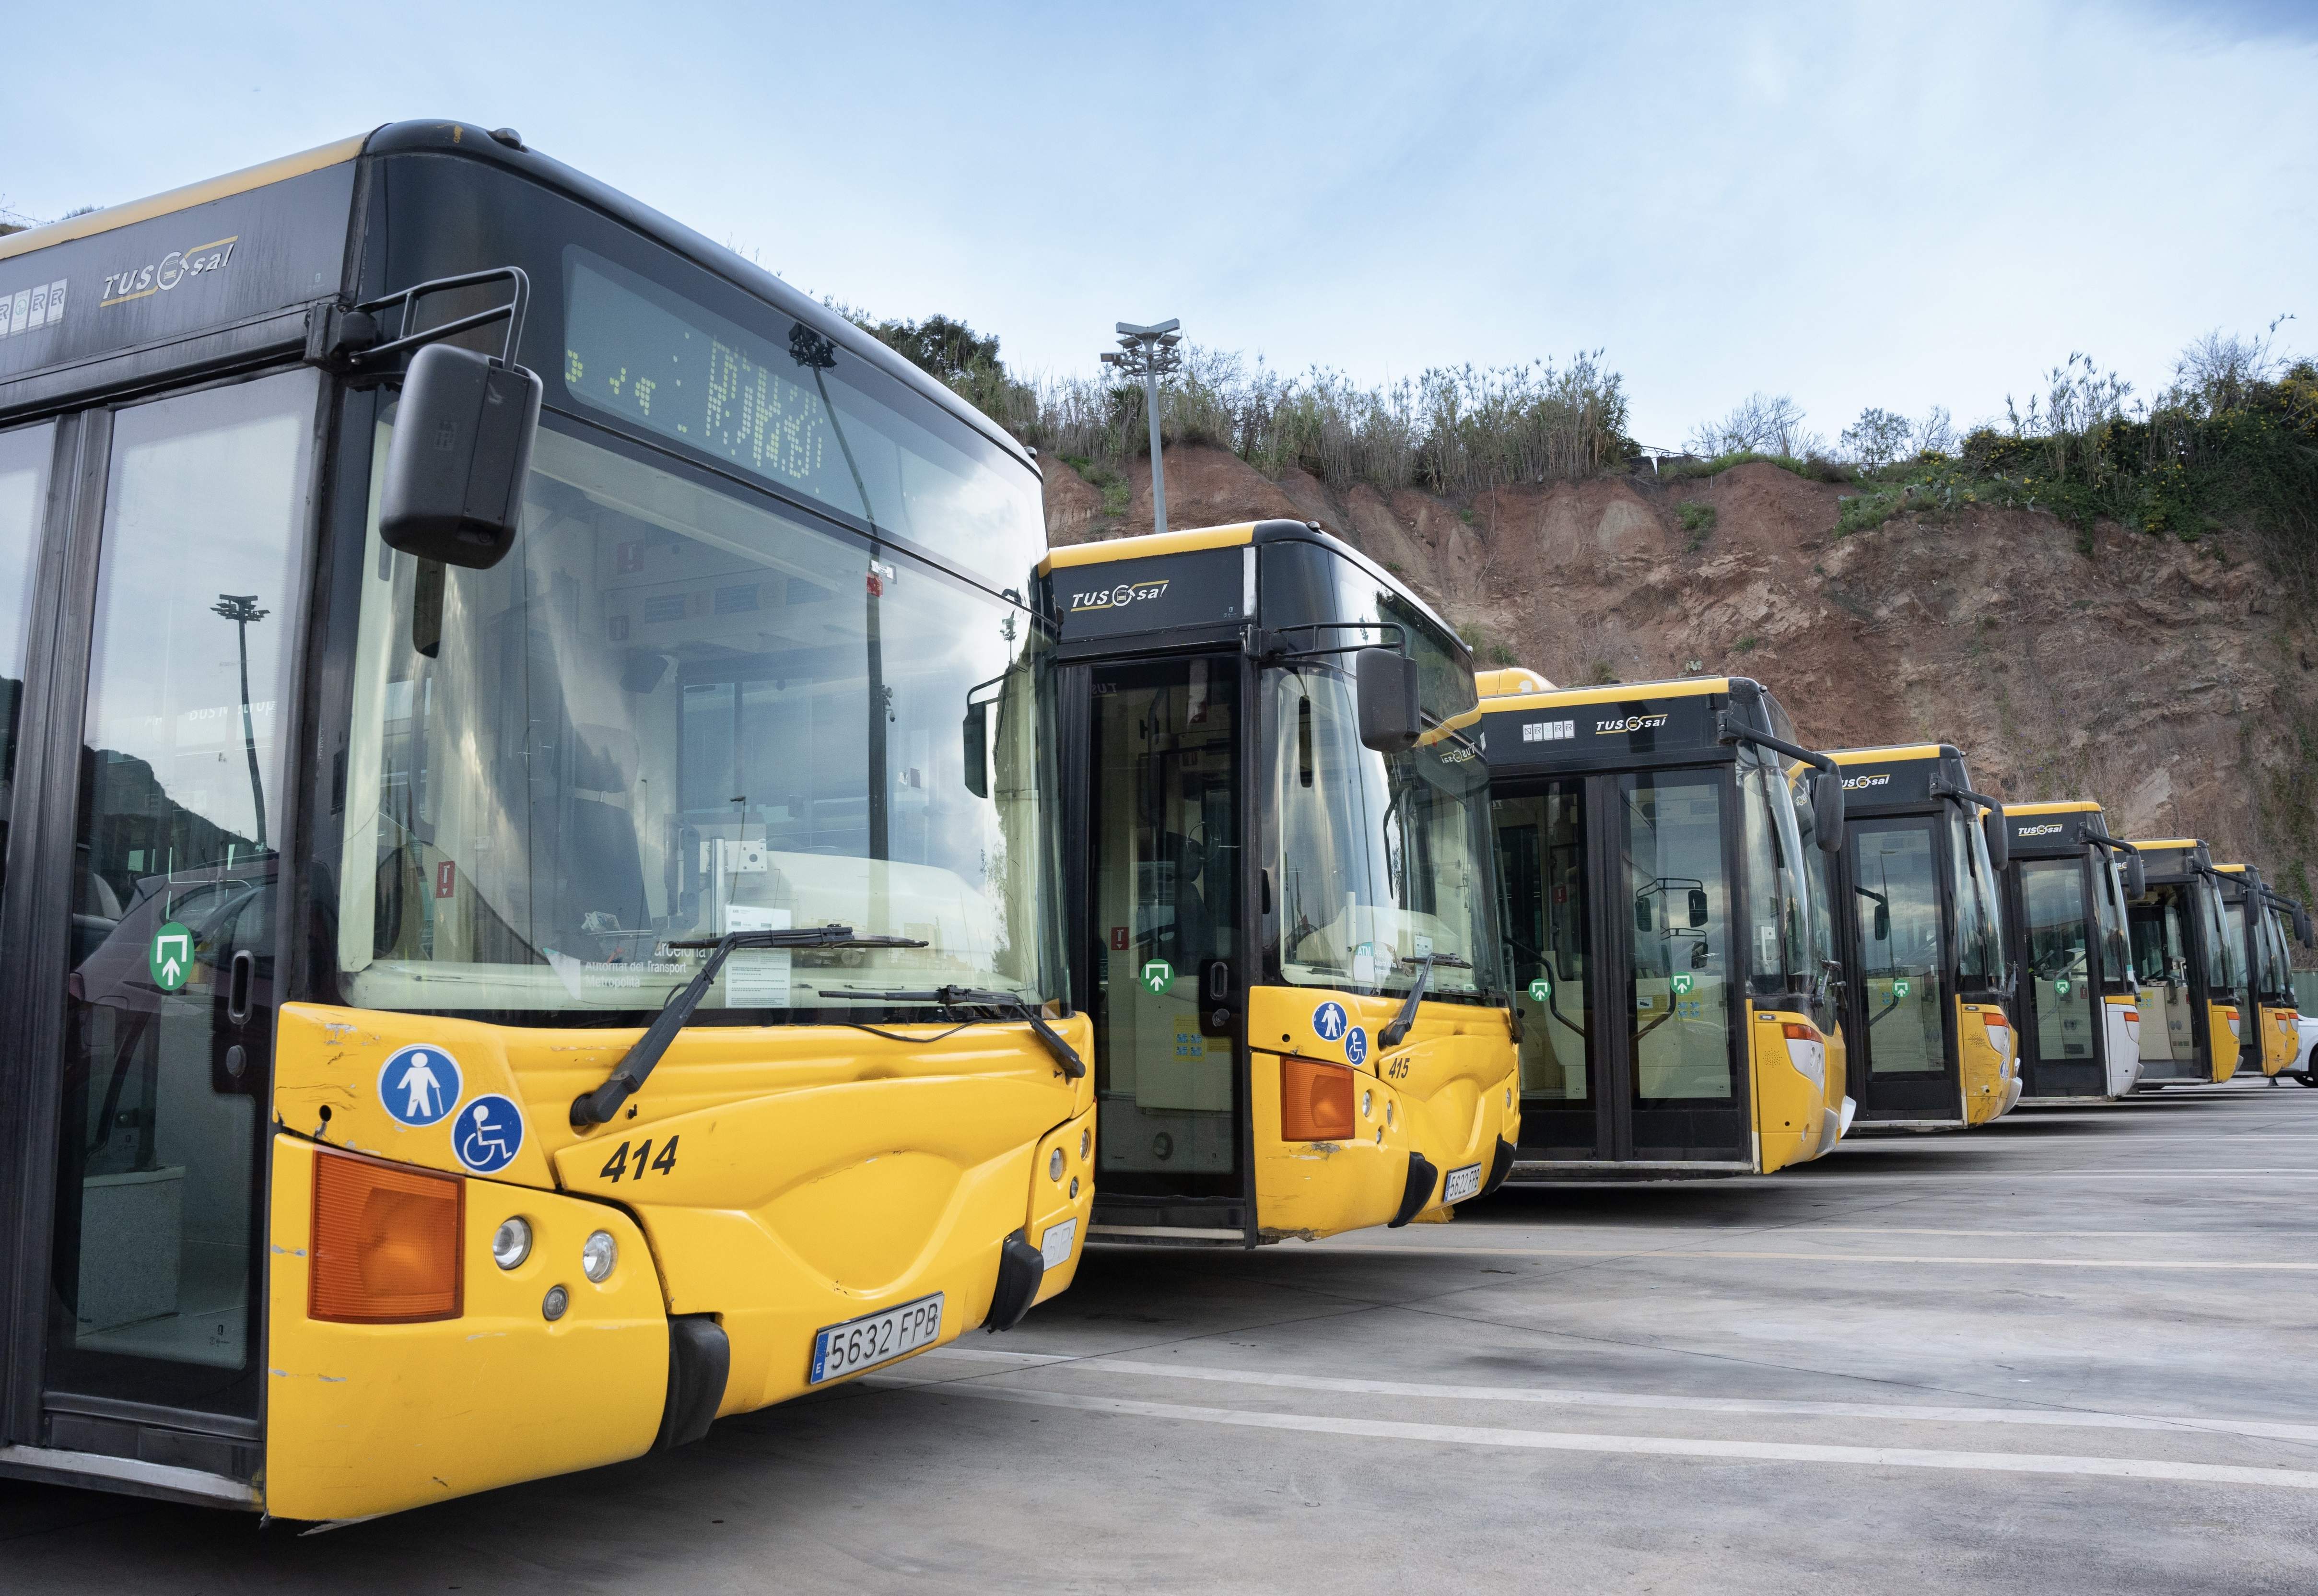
{"points": [[1683, 983], [1900, 989], [1158, 975], [2062, 986], [1540, 989], [171, 957]]}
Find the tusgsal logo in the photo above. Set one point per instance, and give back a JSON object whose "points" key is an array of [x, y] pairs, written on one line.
{"points": [[167, 273], [1629, 723], [1856, 783], [1120, 597], [2036, 831]]}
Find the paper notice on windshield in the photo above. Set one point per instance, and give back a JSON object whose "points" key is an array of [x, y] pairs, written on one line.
{"points": [[756, 977]]}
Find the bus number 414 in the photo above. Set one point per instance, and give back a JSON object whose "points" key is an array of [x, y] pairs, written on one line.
{"points": [[619, 1164]]}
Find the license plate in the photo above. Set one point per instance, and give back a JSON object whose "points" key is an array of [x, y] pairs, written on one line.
{"points": [[1055, 1246], [1461, 1183], [877, 1338]]}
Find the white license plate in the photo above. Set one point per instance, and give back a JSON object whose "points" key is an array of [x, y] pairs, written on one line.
{"points": [[1055, 1246], [1461, 1183], [877, 1337]]}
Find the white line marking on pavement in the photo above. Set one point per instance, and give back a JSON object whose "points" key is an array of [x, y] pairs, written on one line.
{"points": [[2018, 1462], [2038, 1417], [1388, 1249]]}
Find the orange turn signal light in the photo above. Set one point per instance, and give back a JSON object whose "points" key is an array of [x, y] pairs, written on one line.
{"points": [[387, 1242], [1316, 1101], [1800, 1033]]}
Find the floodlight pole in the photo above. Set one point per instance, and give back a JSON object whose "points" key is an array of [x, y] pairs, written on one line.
{"points": [[1147, 352]]}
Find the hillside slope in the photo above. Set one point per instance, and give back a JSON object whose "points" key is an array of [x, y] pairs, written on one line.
{"points": [[2175, 683]]}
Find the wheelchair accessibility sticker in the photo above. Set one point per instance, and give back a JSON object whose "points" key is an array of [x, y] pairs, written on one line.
{"points": [[1356, 1046], [1328, 1022], [488, 1134], [417, 1085]]}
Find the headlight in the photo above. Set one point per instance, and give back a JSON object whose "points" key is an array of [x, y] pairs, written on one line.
{"points": [[511, 1242], [598, 1257], [1055, 1165]]}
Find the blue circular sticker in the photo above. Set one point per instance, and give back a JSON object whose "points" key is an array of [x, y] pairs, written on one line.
{"points": [[1328, 1022], [418, 1084], [488, 1134], [1356, 1046]]}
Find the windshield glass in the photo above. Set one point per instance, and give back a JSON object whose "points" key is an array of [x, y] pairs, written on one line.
{"points": [[1979, 933], [1819, 914], [1778, 905], [669, 713], [2226, 935], [1381, 859]]}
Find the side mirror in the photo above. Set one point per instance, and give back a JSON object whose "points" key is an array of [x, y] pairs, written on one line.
{"points": [[1882, 921], [2136, 877], [1991, 826], [1385, 682], [2303, 928], [1826, 810], [977, 750], [1697, 909], [454, 473], [1643, 922]]}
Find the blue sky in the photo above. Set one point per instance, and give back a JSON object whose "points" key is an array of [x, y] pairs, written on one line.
{"points": [[1878, 204]]}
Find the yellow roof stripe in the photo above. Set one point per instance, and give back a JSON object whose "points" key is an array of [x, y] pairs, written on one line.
{"points": [[2066, 807], [2172, 842], [1877, 756], [1512, 679], [180, 199], [1150, 543], [1687, 686]]}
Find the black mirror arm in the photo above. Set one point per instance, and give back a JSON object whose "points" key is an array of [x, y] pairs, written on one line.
{"points": [[1397, 1030], [635, 1066], [1271, 646], [513, 312], [1733, 731]]}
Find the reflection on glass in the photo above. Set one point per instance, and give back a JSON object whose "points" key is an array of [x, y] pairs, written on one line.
{"points": [[1541, 862], [1166, 867], [2160, 953], [1979, 924], [1678, 910], [168, 1016], [2117, 949], [24, 455], [672, 713], [2060, 994], [1383, 859], [1899, 955]]}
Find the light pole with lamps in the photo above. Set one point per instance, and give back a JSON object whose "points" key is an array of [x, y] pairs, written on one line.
{"points": [[1150, 353]]}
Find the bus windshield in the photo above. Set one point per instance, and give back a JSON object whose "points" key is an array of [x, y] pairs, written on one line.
{"points": [[2228, 943], [671, 712], [2116, 944], [1382, 859], [1979, 933]]}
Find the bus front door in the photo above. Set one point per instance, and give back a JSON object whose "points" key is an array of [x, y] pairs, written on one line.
{"points": [[159, 890], [1901, 1063], [1617, 903], [1165, 981]]}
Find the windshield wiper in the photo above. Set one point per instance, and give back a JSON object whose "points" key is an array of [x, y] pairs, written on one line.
{"points": [[1391, 1035], [1008, 1004], [599, 1106]]}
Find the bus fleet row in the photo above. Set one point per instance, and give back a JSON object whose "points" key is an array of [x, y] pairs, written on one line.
{"points": [[566, 834]]}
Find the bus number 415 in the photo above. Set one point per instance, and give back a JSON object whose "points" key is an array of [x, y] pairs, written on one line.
{"points": [[618, 1164]]}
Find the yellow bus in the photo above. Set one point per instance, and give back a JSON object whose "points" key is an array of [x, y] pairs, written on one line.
{"points": [[2271, 1034], [1664, 896], [2078, 1002], [2193, 995], [1277, 862], [507, 960], [1926, 1016]]}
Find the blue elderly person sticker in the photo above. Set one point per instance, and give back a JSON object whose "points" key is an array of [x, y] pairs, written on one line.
{"points": [[488, 1133], [1328, 1022], [418, 1084]]}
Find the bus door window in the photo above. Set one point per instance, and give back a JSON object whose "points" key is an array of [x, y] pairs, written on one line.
{"points": [[2227, 972], [1541, 861], [170, 1002], [2116, 947], [2161, 954], [1824, 963], [1980, 963], [2061, 993], [1777, 901], [1898, 959], [1678, 913], [1165, 872]]}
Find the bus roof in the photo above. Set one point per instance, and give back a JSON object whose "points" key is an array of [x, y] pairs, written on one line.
{"points": [[1511, 678], [474, 142], [2061, 806], [1553, 698], [1895, 753]]}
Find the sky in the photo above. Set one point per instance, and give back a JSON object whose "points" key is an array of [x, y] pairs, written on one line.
{"points": [[1880, 204]]}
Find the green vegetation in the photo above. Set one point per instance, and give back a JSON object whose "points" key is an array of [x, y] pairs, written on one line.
{"points": [[1602, 675], [1698, 520], [1747, 644], [1814, 468]]}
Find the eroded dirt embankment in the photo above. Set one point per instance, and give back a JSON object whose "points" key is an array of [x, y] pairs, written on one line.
{"points": [[2172, 682]]}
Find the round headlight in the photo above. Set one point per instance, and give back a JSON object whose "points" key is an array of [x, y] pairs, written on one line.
{"points": [[1075, 1188], [511, 1242], [1055, 1165], [1086, 1145], [552, 1306], [597, 1256], [1368, 1101]]}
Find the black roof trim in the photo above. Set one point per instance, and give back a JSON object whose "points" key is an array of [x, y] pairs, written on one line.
{"points": [[1287, 531]]}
